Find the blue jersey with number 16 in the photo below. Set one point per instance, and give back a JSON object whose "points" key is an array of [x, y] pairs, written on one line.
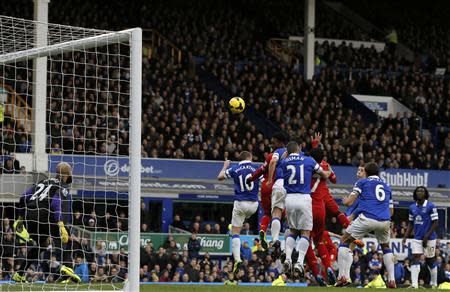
{"points": [[239, 173], [297, 173], [375, 198]]}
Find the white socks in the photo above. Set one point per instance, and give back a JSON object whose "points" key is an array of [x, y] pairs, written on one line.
{"points": [[302, 248], [433, 272], [275, 229], [290, 244], [303, 245], [388, 259], [345, 259], [415, 270], [236, 247]]}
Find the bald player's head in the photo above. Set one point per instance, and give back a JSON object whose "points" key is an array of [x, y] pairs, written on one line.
{"points": [[64, 172]]}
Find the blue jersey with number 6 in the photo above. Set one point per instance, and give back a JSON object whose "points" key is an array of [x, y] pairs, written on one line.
{"points": [[375, 198], [297, 173], [239, 173]]}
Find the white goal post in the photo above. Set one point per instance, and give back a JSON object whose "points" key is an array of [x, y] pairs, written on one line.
{"points": [[20, 46]]}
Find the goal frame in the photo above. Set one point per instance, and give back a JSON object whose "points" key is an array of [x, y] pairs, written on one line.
{"points": [[134, 38]]}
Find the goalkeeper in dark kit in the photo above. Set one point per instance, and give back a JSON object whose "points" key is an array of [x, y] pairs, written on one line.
{"points": [[45, 211]]}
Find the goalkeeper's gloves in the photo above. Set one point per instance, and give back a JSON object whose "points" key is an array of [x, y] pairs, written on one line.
{"points": [[21, 232], [63, 232]]}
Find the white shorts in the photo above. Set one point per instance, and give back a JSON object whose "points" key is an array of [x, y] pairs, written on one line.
{"points": [[241, 211], [428, 252], [278, 194], [299, 211], [362, 225]]}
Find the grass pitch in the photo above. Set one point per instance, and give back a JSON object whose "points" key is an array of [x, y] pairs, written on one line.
{"points": [[172, 288]]}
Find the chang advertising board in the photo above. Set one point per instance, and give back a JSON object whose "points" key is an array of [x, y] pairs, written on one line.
{"points": [[114, 242]]}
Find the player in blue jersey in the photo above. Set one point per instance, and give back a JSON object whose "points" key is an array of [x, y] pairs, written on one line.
{"points": [[297, 170], [423, 218], [275, 180], [245, 199], [375, 209], [351, 211]]}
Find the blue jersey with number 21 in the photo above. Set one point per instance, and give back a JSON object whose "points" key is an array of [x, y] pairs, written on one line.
{"points": [[297, 173], [239, 173], [374, 199]]}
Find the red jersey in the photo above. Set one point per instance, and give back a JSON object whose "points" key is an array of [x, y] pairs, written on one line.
{"points": [[319, 187], [266, 192], [266, 166]]}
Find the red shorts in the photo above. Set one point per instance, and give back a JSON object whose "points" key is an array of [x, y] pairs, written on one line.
{"points": [[266, 199], [318, 211], [331, 206]]}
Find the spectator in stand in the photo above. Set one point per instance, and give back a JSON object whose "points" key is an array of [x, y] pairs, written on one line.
{"points": [[207, 229], [195, 227], [177, 223], [193, 246], [246, 251], [100, 276], [399, 272], [161, 258], [10, 166], [216, 228], [81, 269], [246, 229], [192, 271]]}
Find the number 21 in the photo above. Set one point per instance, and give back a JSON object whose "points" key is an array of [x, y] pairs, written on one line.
{"points": [[293, 170]]}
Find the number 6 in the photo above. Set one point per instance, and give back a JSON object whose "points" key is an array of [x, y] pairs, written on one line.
{"points": [[379, 193]]}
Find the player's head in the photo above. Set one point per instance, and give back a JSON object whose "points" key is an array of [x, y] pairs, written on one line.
{"points": [[64, 172], [421, 193], [292, 147], [245, 155], [279, 139], [371, 168], [361, 173], [317, 154]]}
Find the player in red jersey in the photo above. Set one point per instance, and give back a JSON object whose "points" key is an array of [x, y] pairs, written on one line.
{"points": [[276, 142], [332, 208], [319, 189], [266, 205]]}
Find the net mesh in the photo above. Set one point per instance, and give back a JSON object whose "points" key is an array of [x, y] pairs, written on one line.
{"points": [[87, 125]]}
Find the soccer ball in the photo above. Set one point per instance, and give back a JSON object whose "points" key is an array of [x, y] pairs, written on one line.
{"points": [[237, 105]]}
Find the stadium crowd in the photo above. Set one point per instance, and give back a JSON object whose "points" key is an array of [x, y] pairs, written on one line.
{"points": [[184, 119]]}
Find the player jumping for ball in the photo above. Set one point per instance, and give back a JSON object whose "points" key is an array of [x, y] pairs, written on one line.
{"points": [[44, 211], [271, 210], [375, 209], [245, 199], [297, 170]]}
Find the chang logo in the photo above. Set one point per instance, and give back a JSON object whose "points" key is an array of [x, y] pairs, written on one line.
{"points": [[111, 167]]}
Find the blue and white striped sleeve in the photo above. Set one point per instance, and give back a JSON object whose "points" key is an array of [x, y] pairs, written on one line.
{"points": [[317, 168], [229, 173], [357, 187], [411, 217], [434, 214]]}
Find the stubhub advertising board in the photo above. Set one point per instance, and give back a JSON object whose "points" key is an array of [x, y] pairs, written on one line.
{"points": [[110, 166]]}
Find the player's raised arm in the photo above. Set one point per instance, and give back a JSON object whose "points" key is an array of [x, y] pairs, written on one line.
{"points": [[315, 141], [323, 173], [351, 198], [64, 175], [257, 174], [222, 174], [272, 167]]}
